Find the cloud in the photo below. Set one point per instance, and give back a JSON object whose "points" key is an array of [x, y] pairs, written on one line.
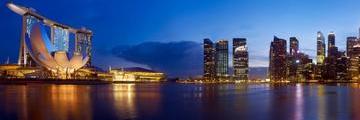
{"points": [[182, 58], [103, 59]]}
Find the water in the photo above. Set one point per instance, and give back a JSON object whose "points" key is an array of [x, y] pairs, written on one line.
{"points": [[180, 102]]}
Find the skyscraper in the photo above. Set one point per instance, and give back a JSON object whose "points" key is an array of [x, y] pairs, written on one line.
{"points": [[222, 60], [209, 60], [331, 39], [342, 72], [353, 52], [329, 71], [320, 56], [332, 49], [293, 59], [305, 68], [352, 47], [277, 65], [294, 46], [240, 59], [320, 50]]}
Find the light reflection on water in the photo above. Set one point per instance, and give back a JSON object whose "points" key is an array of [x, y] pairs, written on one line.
{"points": [[124, 100], [299, 103], [179, 101]]}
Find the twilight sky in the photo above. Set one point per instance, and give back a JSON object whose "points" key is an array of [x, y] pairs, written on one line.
{"points": [[166, 35]]}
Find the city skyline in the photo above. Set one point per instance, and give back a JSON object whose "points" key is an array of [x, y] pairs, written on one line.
{"points": [[256, 21], [151, 60]]}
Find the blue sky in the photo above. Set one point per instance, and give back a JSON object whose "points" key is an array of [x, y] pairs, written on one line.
{"points": [[129, 23]]}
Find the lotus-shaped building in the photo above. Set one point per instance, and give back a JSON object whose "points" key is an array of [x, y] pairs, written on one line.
{"points": [[59, 48]]}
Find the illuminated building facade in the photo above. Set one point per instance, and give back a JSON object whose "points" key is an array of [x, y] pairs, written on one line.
{"points": [[46, 43], [294, 66], [136, 74], [329, 71], [342, 72], [332, 49], [60, 38], [240, 59], [16, 71], [222, 60], [353, 53], [305, 68], [320, 49], [293, 59], [320, 55], [328, 68], [352, 47], [209, 60], [294, 46], [277, 64]]}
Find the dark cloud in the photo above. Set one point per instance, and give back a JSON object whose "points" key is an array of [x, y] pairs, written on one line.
{"points": [[104, 59], [175, 58]]}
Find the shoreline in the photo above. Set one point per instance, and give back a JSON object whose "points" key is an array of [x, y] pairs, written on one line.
{"points": [[23, 81], [99, 82], [268, 82], [53, 81]]}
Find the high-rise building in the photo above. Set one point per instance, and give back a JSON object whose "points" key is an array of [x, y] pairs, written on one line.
{"points": [[291, 64], [305, 69], [60, 37], [209, 60], [352, 47], [320, 56], [222, 60], [277, 65], [353, 68], [331, 44], [240, 59], [320, 50], [329, 71], [353, 53], [293, 59], [331, 39], [342, 72], [294, 46]]}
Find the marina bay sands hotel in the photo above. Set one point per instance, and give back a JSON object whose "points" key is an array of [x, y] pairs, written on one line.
{"points": [[50, 49], [60, 35]]}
